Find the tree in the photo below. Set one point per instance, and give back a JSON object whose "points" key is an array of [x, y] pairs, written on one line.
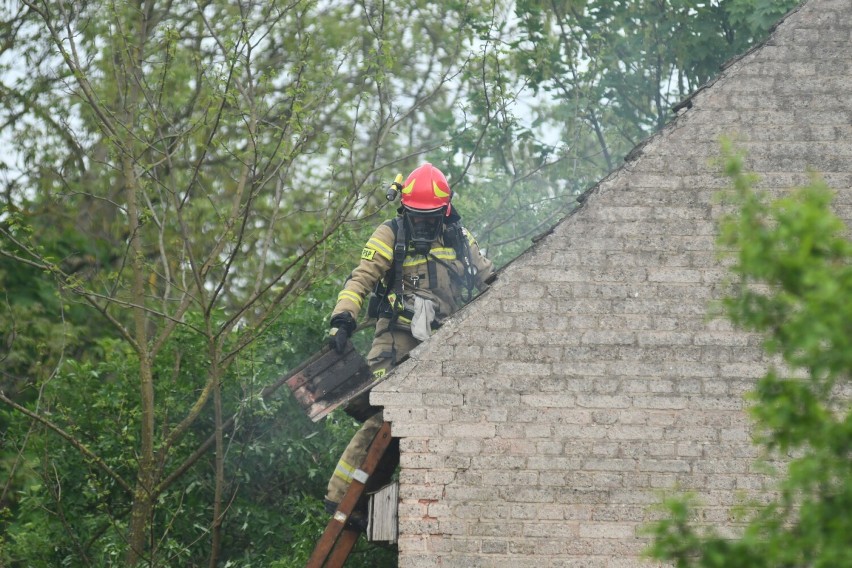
{"points": [[793, 270], [618, 68], [176, 197]]}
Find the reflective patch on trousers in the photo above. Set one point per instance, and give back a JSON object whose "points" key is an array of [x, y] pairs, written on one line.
{"points": [[344, 471]]}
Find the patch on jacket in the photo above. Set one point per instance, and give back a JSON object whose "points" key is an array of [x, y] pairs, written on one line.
{"points": [[368, 254]]}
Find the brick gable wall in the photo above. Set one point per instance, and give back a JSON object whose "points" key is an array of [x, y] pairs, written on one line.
{"points": [[541, 423]]}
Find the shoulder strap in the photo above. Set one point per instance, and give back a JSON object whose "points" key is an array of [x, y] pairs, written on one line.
{"points": [[462, 249], [389, 288], [400, 249]]}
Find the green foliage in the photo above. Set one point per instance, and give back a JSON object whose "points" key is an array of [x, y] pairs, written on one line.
{"points": [[757, 15], [629, 62], [175, 241], [793, 264], [280, 462]]}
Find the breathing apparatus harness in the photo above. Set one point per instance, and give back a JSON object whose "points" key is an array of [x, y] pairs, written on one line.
{"points": [[380, 304]]}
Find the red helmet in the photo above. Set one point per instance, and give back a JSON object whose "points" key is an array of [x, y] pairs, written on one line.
{"points": [[426, 189]]}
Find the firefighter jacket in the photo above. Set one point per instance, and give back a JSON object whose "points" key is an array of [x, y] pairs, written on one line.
{"points": [[438, 276]]}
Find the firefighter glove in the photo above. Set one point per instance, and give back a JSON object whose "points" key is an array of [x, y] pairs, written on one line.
{"points": [[342, 327]]}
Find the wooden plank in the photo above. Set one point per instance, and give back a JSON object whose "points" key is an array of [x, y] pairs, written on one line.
{"points": [[339, 374], [384, 514], [326, 544], [321, 409], [360, 386], [298, 386], [328, 379]]}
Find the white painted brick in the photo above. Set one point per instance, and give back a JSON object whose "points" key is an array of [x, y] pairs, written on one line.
{"points": [[549, 448], [549, 400], [528, 495], [661, 465], [402, 429], [553, 478], [499, 461], [545, 463], [608, 337], [654, 338], [438, 415], [606, 530], [609, 465], [396, 399], [635, 433], [510, 478], [411, 491], [529, 369], [462, 430], [679, 275], [422, 461], [443, 400], [603, 401], [550, 530]]}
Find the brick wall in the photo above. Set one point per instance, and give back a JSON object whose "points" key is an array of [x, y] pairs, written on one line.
{"points": [[539, 425]]}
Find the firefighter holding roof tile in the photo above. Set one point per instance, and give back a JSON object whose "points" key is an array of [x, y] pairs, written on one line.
{"points": [[421, 267]]}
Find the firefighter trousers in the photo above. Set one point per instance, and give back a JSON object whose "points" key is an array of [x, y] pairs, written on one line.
{"points": [[388, 348]]}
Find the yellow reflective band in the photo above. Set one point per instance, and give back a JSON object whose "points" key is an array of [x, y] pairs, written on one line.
{"points": [[344, 471], [381, 248], [367, 254], [443, 253], [408, 188], [414, 261], [438, 191], [351, 296]]}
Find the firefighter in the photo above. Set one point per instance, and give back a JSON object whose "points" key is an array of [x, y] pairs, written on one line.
{"points": [[421, 267]]}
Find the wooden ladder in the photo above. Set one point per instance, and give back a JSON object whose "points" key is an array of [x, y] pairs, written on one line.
{"points": [[337, 541]]}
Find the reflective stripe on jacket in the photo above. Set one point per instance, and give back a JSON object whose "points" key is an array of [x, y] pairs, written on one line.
{"points": [[438, 276]]}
